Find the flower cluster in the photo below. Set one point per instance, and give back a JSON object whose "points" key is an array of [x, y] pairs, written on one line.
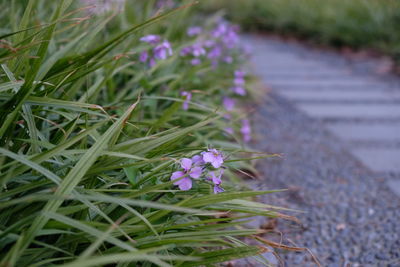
{"points": [[199, 166], [216, 45], [239, 82], [160, 49]]}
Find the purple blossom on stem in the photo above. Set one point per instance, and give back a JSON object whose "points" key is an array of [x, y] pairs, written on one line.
{"points": [[219, 30], [231, 37], [186, 51], [216, 181], [214, 157], [143, 56], [198, 50], [215, 53], [151, 39], [188, 97], [198, 160], [218, 189], [192, 31], [152, 62], [209, 43], [195, 61], [228, 59], [187, 173], [214, 178], [239, 78], [239, 74], [229, 103], [239, 90], [162, 51], [246, 130]]}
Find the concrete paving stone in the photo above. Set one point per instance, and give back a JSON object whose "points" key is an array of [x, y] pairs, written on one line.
{"points": [[366, 132], [336, 95], [367, 111], [379, 159], [330, 87], [308, 75], [394, 185], [324, 82]]}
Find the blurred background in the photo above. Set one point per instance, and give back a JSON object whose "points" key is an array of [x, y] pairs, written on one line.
{"points": [[358, 23]]}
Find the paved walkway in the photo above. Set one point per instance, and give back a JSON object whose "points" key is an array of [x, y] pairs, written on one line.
{"points": [[337, 124]]}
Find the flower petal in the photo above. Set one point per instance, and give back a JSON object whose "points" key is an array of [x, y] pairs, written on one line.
{"points": [[218, 189], [208, 157], [177, 175], [197, 160], [186, 164], [217, 162], [216, 180], [185, 184], [195, 172]]}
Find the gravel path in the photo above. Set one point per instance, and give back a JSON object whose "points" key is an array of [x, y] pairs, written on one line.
{"points": [[351, 209]]}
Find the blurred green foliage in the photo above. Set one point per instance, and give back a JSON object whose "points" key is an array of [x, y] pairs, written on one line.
{"points": [[356, 23]]}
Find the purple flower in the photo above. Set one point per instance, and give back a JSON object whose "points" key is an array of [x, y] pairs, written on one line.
{"points": [[215, 179], [239, 78], [229, 103], [187, 173], [195, 61], [215, 53], [214, 157], [246, 130], [198, 160], [239, 74], [198, 50], [162, 50], [143, 56], [238, 81], [219, 30], [218, 189], [194, 31], [151, 39], [186, 51], [209, 43], [231, 38], [188, 97], [239, 90], [228, 59], [152, 62]]}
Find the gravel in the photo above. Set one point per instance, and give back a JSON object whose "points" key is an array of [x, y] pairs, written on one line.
{"points": [[348, 214]]}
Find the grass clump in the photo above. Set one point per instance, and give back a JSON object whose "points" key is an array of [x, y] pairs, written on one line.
{"points": [[121, 136]]}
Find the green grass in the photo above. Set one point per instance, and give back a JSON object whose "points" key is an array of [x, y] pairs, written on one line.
{"points": [[90, 137], [357, 23]]}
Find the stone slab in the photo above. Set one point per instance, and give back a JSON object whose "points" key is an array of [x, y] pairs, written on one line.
{"points": [[394, 185], [366, 132], [338, 95], [323, 82], [362, 111], [379, 159]]}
